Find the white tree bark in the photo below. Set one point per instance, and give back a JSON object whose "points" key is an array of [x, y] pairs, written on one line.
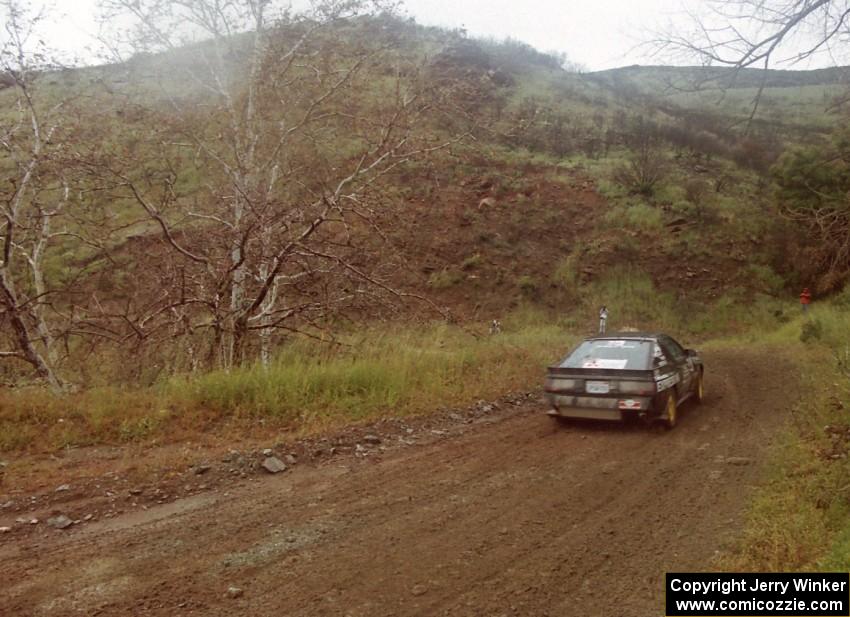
{"points": [[25, 227], [276, 113]]}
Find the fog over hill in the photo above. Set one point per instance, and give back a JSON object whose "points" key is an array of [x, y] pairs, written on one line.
{"points": [[728, 77]]}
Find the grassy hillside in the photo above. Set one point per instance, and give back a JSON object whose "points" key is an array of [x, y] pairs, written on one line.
{"points": [[795, 99], [540, 199]]}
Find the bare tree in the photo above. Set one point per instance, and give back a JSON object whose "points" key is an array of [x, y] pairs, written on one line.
{"points": [[756, 33], [34, 194], [739, 34], [647, 165], [697, 194], [277, 132], [646, 168]]}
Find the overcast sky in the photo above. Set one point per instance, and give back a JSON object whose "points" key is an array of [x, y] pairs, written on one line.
{"points": [[597, 34]]}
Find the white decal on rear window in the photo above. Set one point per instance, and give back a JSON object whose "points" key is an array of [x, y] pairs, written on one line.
{"points": [[604, 363]]}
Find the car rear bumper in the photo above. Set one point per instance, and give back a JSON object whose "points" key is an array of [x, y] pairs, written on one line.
{"points": [[586, 412], [597, 407]]}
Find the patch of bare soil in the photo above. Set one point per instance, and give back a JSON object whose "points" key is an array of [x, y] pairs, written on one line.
{"points": [[496, 512]]}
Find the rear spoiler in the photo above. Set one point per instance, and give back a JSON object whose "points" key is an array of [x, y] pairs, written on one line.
{"points": [[585, 373]]}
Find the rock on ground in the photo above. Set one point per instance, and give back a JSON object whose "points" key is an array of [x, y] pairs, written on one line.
{"points": [[60, 522], [234, 592], [272, 464]]}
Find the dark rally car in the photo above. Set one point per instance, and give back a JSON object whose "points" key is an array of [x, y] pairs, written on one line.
{"points": [[610, 377]]}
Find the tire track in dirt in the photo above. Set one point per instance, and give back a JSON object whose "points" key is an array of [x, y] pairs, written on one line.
{"points": [[519, 517]]}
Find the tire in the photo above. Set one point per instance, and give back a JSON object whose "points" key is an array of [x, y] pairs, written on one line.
{"points": [[699, 389], [671, 410], [561, 420]]}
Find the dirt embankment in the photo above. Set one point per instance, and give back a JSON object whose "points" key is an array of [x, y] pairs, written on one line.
{"points": [[507, 514]]}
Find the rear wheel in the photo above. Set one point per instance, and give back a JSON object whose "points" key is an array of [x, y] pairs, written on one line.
{"points": [[671, 411], [560, 420], [699, 389]]}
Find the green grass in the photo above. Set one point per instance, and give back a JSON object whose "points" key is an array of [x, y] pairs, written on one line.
{"points": [[632, 300], [636, 215], [766, 279], [399, 372], [800, 518], [308, 386], [445, 279], [528, 286], [471, 262], [830, 320], [567, 273]]}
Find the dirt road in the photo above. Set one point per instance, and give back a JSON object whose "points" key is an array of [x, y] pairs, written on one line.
{"points": [[511, 515]]}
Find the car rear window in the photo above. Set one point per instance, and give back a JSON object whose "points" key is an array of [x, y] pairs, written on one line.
{"points": [[610, 354]]}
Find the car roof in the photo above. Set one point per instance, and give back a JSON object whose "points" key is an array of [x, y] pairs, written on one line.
{"points": [[628, 336]]}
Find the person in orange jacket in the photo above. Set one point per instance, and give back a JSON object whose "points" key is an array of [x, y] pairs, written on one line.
{"points": [[805, 299]]}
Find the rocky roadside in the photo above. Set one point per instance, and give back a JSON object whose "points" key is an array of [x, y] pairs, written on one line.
{"points": [[84, 500]]}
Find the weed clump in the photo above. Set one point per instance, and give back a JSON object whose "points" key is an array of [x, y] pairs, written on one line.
{"points": [[444, 279], [812, 330], [527, 285]]}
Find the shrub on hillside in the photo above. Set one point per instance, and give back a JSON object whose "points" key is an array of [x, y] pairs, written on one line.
{"points": [[471, 262], [444, 279], [639, 216], [766, 279], [813, 184], [842, 300], [567, 274], [527, 285], [646, 169], [811, 331], [698, 195]]}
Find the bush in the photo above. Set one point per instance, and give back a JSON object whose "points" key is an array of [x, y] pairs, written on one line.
{"points": [[644, 172], [812, 330], [444, 279], [842, 300], [527, 285], [471, 262], [566, 274], [766, 278], [640, 216]]}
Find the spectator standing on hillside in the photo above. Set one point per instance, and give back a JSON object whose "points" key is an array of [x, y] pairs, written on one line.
{"points": [[805, 299], [603, 319]]}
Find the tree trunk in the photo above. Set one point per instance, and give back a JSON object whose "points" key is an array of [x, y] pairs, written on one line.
{"points": [[239, 338], [265, 345], [23, 337]]}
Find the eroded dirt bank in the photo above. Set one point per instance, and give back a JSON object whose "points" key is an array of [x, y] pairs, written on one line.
{"points": [[512, 516]]}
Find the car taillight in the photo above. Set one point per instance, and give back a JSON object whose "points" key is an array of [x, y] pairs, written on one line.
{"points": [[557, 384], [643, 388]]}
